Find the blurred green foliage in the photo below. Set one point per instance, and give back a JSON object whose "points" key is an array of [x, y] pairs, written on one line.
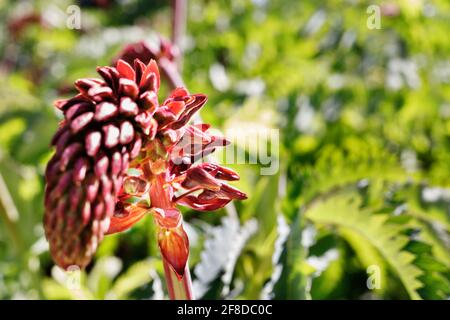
{"points": [[364, 120]]}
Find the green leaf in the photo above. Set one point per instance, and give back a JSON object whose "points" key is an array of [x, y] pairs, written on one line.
{"points": [[292, 282], [344, 211], [138, 275]]}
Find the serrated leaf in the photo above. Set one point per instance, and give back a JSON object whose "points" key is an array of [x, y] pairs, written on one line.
{"points": [[344, 211]]}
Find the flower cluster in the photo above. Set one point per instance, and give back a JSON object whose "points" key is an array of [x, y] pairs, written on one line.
{"points": [[121, 155]]}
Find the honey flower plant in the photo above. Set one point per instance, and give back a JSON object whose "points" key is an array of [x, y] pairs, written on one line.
{"points": [[120, 155]]}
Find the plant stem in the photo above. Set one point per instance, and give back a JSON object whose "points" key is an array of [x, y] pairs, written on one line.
{"points": [[170, 70], [179, 27], [179, 289]]}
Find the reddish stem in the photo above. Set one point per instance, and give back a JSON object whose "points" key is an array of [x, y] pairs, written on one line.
{"points": [[178, 26], [170, 71], [179, 288]]}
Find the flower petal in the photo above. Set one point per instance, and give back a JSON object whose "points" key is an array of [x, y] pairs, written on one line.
{"points": [[196, 177], [125, 218], [152, 68], [201, 205], [125, 70]]}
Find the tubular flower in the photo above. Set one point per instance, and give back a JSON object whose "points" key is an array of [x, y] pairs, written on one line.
{"points": [[121, 155]]}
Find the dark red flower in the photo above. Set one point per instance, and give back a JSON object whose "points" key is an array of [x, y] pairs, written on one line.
{"points": [[115, 124], [103, 129]]}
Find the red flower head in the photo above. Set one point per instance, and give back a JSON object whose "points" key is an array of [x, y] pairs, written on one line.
{"points": [[116, 124]]}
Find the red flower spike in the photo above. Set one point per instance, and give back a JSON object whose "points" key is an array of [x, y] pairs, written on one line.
{"points": [[114, 124], [94, 145]]}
